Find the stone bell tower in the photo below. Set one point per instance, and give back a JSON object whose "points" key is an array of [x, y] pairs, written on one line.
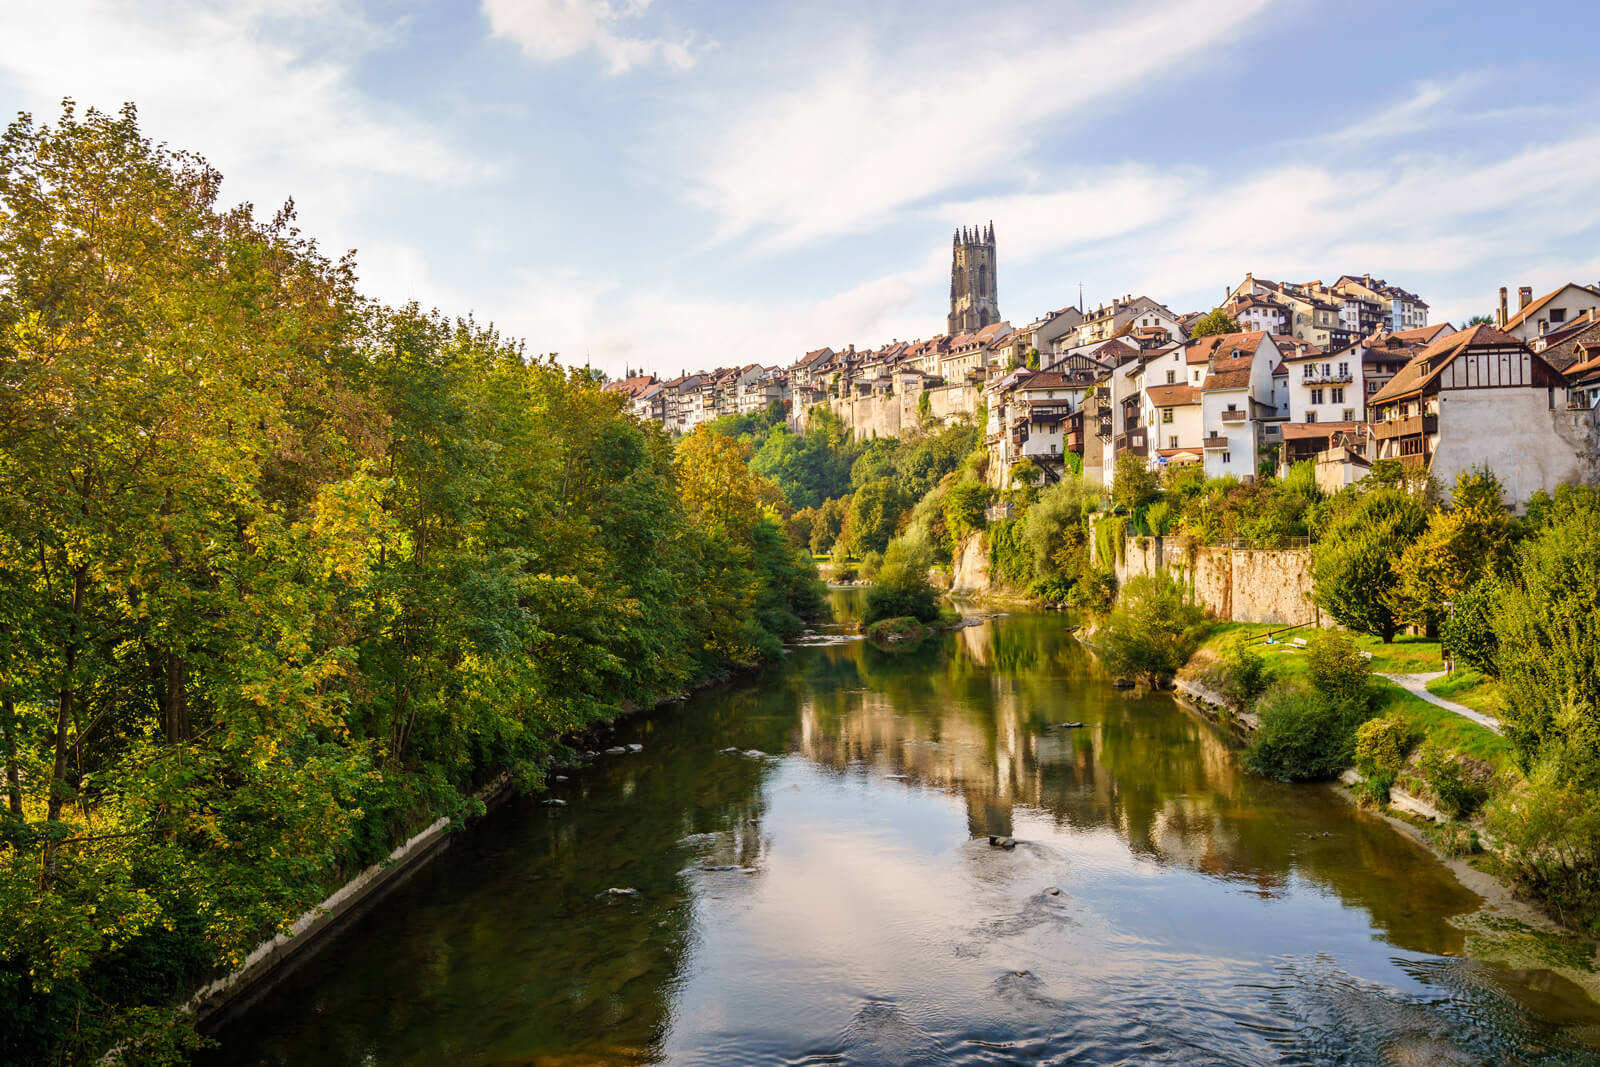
{"points": [[973, 300]]}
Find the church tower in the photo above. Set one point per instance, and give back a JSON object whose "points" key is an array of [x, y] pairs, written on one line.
{"points": [[973, 300]]}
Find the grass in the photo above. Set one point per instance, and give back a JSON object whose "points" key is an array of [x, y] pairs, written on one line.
{"points": [[1472, 689], [1406, 655]]}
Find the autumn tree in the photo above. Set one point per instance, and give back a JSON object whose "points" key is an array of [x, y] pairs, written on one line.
{"points": [[1214, 322]]}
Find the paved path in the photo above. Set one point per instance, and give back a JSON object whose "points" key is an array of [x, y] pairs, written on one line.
{"points": [[1418, 684]]}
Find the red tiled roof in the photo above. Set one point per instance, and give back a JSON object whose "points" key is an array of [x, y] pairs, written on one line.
{"points": [[1412, 378], [1171, 396]]}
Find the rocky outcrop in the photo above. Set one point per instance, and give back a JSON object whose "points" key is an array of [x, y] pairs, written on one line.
{"points": [[969, 571]]}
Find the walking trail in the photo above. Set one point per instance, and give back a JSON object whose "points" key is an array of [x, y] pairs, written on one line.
{"points": [[1418, 684]]}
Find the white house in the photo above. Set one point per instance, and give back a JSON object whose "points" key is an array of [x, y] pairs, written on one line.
{"points": [[1236, 403], [1535, 318]]}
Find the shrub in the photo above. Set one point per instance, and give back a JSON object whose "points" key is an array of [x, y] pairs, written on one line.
{"points": [[1304, 734], [1243, 676], [1549, 827], [1382, 746], [1457, 794], [1337, 667], [1154, 629]]}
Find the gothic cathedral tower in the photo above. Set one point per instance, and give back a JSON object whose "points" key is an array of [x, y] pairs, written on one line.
{"points": [[973, 303]]}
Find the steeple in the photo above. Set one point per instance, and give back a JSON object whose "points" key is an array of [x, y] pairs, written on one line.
{"points": [[974, 300]]}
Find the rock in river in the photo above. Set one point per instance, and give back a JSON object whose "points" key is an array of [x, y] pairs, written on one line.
{"points": [[554, 802], [635, 748], [616, 751]]}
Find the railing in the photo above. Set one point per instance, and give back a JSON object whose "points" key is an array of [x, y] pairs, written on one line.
{"points": [[1235, 416], [1406, 427], [1332, 378], [1217, 443], [1131, 442]]}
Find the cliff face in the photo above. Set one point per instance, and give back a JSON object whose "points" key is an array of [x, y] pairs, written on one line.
{"points": [[969, 571]]}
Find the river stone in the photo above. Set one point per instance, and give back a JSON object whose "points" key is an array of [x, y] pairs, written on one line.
{"points": [[591, 754], [559, 778], [615, 892], [728, 752], [555, 802], [1053, 891], [755, 753], [635, 748], [617, 751]]}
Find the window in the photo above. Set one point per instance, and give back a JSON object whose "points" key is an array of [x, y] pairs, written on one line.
{"points": [[1344, 370], [1172, 442], [1558, 315], [1166, 414], [1336, 396], [1227, 457], [1316, 396], [1349, 415], [1172, 377], [1311, 416], [1411, 446], [1372, 387], [1053, 447]]}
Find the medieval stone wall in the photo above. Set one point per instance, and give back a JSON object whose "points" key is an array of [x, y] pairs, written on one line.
{"points": [[1234, 584], [896, 414]]}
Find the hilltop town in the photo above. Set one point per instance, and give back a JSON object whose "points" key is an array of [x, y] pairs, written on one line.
{"points": [[1343, 373]]}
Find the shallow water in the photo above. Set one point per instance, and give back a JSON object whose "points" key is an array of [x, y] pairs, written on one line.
{"points": [[833, 897]]}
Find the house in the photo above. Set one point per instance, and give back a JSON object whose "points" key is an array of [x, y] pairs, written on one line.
{"points": [[1385, 352], [968, 353], [1259, 314], [1561, 347], [1124, 316], [1313, 316], [1481, 397], [1044, 333], [1367, 303], [1236, 403], [1557, 308]]}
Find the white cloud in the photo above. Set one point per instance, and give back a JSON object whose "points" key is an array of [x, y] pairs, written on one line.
{"points": [[548, 30], [264, 90], [870, 132]]}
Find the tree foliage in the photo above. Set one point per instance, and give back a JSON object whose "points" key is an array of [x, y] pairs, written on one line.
{"points": [[1354, 562], [285, 575], [1214, 322], [1154, 629]]}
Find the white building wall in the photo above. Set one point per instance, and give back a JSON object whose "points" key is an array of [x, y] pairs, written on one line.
{"points": [[1514, 433], [1238, 459]]}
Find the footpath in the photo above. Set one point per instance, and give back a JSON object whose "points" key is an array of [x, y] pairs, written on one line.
{"points": [[1417, 684]]}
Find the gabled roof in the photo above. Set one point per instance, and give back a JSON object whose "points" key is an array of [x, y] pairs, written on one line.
{"points": [[1532, 309], [1115, 352], [1426, 365], [1307, 431], [1205, 349], [1227, 379], [1047, 379]]}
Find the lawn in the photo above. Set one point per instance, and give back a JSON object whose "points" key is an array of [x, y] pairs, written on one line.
{"points": [[1406, 655], [1472, 689]]}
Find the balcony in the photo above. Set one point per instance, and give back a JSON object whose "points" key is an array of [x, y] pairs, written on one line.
{"points": [[1131, 442], [1333, 378], [1407, 427], [1235, 416], [1217, 444]]}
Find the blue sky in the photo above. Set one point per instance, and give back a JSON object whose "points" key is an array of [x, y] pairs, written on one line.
{"points": [[690, 183]]}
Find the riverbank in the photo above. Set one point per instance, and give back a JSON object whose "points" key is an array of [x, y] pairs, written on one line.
{"points": [[1508, 928]]}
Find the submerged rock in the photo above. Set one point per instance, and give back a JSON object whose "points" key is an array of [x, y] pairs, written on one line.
{"points": [[559, 778], [1053, 891], [1069, 726], [635, 748], [555, 802], [618, 750], [615, 892], [996, 841], [755, 753], [729, 751]]}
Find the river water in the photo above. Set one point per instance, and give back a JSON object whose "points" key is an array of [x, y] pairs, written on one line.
{"points": [[829, 895]]}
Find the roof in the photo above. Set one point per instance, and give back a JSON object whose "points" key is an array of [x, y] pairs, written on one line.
{"points": [[1227, 379], [1171, 396], [633, 387], [1204, 349], [1047, 379], [1412, 378], [1308, 431], [1523, 314]]}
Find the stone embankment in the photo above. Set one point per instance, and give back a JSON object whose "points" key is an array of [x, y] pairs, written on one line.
{"points": [[1234, 584]]}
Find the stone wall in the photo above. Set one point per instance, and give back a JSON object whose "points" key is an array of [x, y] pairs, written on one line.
{"points": [[1234, 584], [894, 414]]}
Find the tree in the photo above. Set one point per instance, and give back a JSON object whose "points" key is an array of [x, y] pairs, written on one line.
{"points": [[1456, 549], [1481, 320], [1337, 668], [1548, 631], [1214, 322], [901, 588], [870, 518], [1353, 564], [1133, 484], [964, 505], [1154, 629]]}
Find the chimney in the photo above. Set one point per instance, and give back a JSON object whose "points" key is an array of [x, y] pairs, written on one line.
{"points": [[1524, 296], [1505, 315]]}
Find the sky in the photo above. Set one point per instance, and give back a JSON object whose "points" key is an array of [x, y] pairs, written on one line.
{"points": [[683, 184]]}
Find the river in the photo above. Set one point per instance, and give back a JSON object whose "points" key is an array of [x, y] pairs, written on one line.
{"points": [[829, 895]]}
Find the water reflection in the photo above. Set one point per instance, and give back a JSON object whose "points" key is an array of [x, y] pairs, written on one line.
{"points": [[842, 903]]}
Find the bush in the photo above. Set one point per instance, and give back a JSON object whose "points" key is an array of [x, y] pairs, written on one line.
{"points": [[1337, 667], [1154, 629], [1304, 734], [1243, 676], [1382, 746], [1549, 828], [1094, 593], [1457, 794]]}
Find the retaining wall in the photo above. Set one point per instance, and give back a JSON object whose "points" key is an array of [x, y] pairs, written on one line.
{"points": [[1234, 584]]}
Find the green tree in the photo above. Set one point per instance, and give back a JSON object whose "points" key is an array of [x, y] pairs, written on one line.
{"points": [[871, 516], [1214, 322], [1353, 563], [1133, 484], [1457, 548], [1154, 629], [901, 588]]}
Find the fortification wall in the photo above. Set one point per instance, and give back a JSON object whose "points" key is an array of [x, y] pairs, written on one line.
{"points": [[893, 414]]}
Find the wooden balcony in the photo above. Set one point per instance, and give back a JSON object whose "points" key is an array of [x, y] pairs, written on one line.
{"points": [[1235, 416], [1406, 427]]}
